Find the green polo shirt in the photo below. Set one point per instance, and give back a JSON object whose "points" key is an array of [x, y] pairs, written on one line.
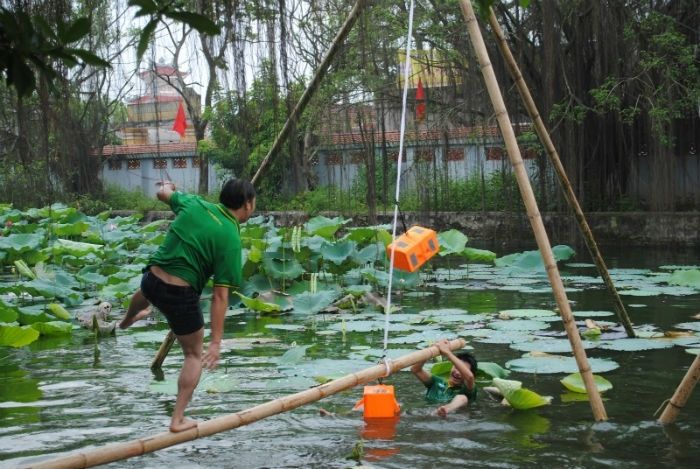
{"points": [[439, 391], [203, 240]]}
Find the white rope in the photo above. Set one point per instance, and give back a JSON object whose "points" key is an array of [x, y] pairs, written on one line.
{"points": [[406, 75]]}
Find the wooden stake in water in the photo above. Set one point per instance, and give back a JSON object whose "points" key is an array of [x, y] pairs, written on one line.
{"points": [[683, 392], [532, 210], [130, 449]]}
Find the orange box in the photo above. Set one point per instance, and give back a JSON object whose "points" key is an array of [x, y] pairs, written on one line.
{"points": [[414, 248], [379, 402]]}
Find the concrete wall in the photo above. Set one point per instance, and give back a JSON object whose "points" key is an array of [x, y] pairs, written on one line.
{"points": [[145, 177], [609, 228]]}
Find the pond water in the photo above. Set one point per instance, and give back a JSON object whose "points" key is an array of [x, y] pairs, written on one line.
{"points": [[61, 395]]}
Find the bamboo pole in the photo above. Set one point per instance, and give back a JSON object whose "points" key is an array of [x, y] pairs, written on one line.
{"points": [[683, 392], [532, 210], [284, 133], [313, 85], [569, 194], [129, 449]]}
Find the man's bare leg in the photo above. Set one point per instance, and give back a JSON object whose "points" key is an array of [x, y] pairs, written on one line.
{"points": [[189, 378], [139, 308]]}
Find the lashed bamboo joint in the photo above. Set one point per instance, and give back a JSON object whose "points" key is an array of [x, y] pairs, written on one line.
{"points": [[119, 451]]}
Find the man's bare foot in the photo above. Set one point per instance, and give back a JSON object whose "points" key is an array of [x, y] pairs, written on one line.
{"points": [[128, 321], [182, 425]]}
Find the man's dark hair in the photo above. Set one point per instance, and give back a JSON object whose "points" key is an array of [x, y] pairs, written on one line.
{"points": [[467, 357], [236, 192]]}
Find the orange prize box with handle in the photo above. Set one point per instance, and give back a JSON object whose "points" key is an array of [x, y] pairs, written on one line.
{"points": [[379, 401], [414, 248]]}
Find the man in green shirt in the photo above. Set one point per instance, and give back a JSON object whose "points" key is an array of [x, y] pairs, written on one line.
{"points": [[203, 241], [458, 389]]}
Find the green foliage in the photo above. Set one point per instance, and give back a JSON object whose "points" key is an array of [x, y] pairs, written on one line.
{"points": [[28, 43]]}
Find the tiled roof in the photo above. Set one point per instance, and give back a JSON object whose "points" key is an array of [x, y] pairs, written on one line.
{"points": [[355, 138], [150, 99], [167, 70], [162, 149]]}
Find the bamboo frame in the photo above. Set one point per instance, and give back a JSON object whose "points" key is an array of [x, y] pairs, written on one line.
{"points": [[532, 210], [138, 447], [683, 392], [284, 133], [569, 194]]}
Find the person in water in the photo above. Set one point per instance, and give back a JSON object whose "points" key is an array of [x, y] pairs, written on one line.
{"points": [[458, 389], [203, 241]]}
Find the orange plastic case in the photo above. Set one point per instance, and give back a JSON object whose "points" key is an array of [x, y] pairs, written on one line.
{"points": [[379, 401], [414, 248]]}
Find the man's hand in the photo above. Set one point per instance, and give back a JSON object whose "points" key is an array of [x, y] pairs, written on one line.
{"points": [[443, 410], [211, 358]]}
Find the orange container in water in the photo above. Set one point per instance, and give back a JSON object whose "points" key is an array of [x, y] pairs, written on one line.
{"points": [[379, 401], [414, 248]]}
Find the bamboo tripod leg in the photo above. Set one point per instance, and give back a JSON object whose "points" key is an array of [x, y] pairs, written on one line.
{"points": [[569, 195], [532, 210], [683, 392], [120, 451], [291, 120]]}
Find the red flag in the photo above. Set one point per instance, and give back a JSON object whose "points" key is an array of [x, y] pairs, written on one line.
{"points": [[180, 121], [420, 102]]}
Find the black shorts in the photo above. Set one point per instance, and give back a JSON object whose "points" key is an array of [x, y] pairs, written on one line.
{"points": [[179, 304]]}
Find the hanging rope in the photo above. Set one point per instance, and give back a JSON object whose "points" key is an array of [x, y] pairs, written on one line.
{"points": [[406, 75]]}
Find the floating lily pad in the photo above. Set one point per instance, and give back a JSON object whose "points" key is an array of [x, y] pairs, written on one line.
{"points": [[592, 314], [686, 278], [549, 345], [519, 325], [693, 326], [286, 327], [574, 383], [693, 351], [557, 364], [578, 265], [491, 370], [635, 344], [527, 313]]}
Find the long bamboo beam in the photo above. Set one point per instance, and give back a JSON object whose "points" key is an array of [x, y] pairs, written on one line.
{"points": [[138, 447], [683, 392], [292, 119], [532, 210], [569, 194]]}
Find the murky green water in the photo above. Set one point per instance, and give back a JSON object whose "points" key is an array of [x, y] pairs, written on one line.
{"points": [[56, 396]]}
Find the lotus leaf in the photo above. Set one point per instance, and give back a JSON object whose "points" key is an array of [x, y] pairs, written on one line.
{"points": [[557, 364], [574, 383], [549, 345], [288, 270], [16, 336], [527, 313], [633, 345], [693, 351], [524, 399], [593, 314], [338, 252], [506, 385], [310, 303], [53, 328], [258, 305], [442, 368], [370, 254], [686, 278], [58, 311], [293, 356], [8, 313], [518, 325], [491, 370], [75, 248], [325, 227], [479, 255], [452, 242], [693, 326]]}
